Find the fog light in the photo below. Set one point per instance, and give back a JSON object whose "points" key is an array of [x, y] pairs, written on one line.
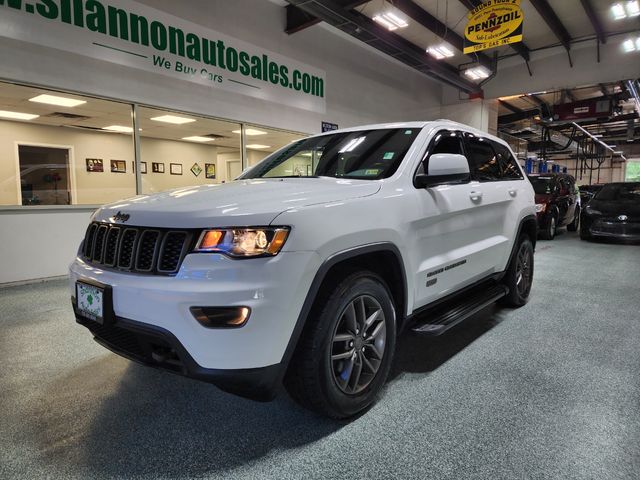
{"points": [[221, 317]]}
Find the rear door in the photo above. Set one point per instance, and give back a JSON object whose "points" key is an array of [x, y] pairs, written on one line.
{"points": [[493, 202]]}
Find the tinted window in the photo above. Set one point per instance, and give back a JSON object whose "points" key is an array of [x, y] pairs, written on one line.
{"points": [[482, 159], [508, 165], [447, 142], [366, 154], [543, 185]]}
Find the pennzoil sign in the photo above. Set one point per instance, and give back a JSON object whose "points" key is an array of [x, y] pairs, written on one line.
{"points": [[492, 24]]}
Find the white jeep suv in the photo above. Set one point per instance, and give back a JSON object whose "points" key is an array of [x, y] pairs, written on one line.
{"points": [[305, 269]]}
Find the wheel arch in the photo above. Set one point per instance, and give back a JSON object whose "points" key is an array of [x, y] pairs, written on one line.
{"points": [[382, 258]]}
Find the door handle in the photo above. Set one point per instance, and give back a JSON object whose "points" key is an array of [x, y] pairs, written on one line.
{"points": [[513, 192], [475, 195]]}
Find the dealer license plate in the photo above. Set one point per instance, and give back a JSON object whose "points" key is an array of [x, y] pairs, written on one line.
{"points": [[90, 301]]}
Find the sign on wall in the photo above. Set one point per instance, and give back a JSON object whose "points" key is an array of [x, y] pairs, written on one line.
{"points": [[329, 127], [493, 24], [132, 34]]}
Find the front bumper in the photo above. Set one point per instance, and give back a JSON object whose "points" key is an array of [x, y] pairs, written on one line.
{"points": [[274, 288], [612, 229], [156, 347]]}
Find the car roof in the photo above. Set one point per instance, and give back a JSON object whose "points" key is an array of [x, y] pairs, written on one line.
{"points": [[433, 124]]}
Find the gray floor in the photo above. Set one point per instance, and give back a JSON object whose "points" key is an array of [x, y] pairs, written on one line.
{"points": [[551, 390]]}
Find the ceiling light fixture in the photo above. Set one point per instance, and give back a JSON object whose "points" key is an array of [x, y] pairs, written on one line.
{"points": [[17, 115], [257, 145], [629, 45], [440, 51], [197, 138], [250, 132], [477, 73], [390, 21], [118, 128], [630, 9], [173, 119], [55, 100]]}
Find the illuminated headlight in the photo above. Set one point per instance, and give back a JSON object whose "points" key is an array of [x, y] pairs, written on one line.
{"points": [[243, 242], [592, 211], [541, 207]]}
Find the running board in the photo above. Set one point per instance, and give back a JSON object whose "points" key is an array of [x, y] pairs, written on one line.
{"points": [[442, 317]]}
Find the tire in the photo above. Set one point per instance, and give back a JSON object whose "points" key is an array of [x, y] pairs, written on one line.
{"points": [[550, 229], [520, 270], [584, 234], [575, 224], [330, 352]]}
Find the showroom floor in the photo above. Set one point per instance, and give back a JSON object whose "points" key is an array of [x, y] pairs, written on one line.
{"points": [[548, 391]]}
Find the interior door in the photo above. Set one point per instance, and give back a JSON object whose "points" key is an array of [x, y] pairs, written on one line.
{"points": [[234, 169], [447, 230]]}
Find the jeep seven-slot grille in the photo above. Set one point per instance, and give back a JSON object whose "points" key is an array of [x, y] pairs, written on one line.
{"points": [[155, 251]]}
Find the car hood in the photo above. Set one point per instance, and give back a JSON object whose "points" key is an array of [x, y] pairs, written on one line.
{"points": [[610, 208], [238, 203]]}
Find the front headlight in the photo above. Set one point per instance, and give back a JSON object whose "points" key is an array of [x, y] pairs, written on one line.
{"points": [[592, 211], [541, 207], [243, 242]]}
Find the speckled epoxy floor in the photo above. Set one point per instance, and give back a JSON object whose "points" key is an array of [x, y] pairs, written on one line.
{"points": [[551, 390]]}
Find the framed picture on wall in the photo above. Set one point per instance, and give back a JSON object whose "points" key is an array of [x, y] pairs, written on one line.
{"points": [[118, 166], [196, 169], [210, 170], [175, 168], [143, 167], [157, 167], [95, 165]]}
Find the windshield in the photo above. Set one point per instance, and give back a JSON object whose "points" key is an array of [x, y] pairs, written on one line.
{"points": [[365, 154], [542, 185], [621, 192]]}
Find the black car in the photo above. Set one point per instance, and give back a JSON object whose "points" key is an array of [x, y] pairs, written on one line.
{"points": [[557, 203], [587, 192], [613, 213]]}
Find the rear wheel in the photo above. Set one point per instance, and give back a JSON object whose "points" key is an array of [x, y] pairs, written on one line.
{"points": [[344, 355], [550, 230], [519, 276], [575, 224]]}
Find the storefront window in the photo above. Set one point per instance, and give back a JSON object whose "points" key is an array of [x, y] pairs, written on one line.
{"points": [[60, 149], [264, 141], [180, 150], [63, 149]]}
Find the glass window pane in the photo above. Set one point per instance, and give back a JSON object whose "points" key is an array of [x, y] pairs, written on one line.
{"points": [[262, 142], [180, 150], [63, 149]]}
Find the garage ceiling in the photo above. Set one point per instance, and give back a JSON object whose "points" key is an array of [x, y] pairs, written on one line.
{"points": [[547, 24]]}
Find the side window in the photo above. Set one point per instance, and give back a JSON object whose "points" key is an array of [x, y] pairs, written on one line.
{"points": [[508, 165], [445, 141], [483, 160]]}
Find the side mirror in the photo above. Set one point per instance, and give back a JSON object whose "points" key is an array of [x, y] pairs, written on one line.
{"points": [[444, 168]]}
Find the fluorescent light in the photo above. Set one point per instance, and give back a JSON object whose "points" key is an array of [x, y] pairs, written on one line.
{"points": [[618, 11], [390, 20], [118, 128], [597, 135], [629, 45], [633, 8], [257, 145], [173, 119], [440, 51], [638, 43], [197, 138], [250, 132], [352, 144], [477, 73], [55, 100], [17, 115]]}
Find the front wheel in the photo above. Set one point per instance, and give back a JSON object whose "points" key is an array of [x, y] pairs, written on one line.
{"points": [[550, 230], [344, 355], [519, 276]]}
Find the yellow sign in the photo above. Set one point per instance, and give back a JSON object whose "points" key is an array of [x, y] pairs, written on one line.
{"points": [[492, 24]]}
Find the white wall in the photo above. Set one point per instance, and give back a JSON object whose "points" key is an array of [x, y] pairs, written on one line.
{"points": [[39, 244]]}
